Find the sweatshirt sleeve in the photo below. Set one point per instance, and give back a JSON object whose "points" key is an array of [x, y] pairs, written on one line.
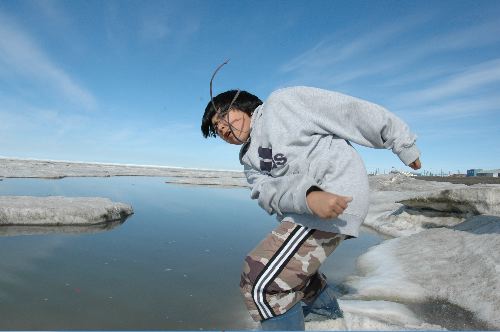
{"points": [[275, 195], [362, 122]]}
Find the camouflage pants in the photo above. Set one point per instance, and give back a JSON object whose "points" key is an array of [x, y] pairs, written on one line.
{"points": [[283, 269]]}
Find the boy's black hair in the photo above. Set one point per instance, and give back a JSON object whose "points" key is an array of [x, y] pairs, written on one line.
{"points": [[246, 102]]}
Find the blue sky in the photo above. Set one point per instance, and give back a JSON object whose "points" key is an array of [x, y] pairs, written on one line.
{"points": [[127, 82]]}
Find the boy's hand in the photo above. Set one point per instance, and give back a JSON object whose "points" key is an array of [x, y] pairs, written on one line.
{"points": [[326, 205], [416, 164]]}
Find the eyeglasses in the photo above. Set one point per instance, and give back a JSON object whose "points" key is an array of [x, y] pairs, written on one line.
{"points": [[218, 120]]}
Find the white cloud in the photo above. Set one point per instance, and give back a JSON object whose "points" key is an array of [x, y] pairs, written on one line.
{"points": [[329, 51], [430, 73], [20, 54], [484, 33], [475, 77], [22, 120], [458, 108], [380, 51]]}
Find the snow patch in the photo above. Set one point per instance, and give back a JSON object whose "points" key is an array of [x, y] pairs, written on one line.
{"points": [[57, 210], [457, 266], [372, 315]]}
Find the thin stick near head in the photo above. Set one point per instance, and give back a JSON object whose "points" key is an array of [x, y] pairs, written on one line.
{"points": [[218, 111], [211, 82]]}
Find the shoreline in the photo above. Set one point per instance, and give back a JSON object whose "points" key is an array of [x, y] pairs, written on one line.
{"points": [[114, 164], [11, 167], [46, 169], [469, 181]]}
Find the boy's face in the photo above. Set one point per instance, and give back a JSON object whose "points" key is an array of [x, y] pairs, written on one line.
{"points": [[233, 127]]}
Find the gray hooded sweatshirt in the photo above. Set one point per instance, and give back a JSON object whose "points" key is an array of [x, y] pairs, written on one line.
{"points": [[300, 138]]}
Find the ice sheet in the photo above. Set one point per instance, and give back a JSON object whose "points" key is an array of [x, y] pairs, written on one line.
{"points": [[10, 167], [372, 315], [57, 210], [460, 267]]}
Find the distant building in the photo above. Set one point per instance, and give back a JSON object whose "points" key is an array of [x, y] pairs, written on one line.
{"points": [[457, 175], [489, 173], [473, 172]]}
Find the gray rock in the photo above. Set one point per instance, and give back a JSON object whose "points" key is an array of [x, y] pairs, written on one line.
{"points": [[469, 201], [56, 210]]}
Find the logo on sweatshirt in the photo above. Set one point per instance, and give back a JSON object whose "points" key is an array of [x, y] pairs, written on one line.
{"points": [[268, 161]]}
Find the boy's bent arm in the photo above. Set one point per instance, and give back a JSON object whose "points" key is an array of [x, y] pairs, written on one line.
{"points": [[281, 194]]}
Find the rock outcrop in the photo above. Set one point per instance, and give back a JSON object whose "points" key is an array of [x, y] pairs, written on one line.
{"points": [[57, 210], [474, 200]]}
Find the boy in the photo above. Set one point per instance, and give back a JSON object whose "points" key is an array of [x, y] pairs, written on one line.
{"points": [[300, 164]]}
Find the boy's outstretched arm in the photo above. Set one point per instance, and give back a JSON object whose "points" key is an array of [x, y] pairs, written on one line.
{"points": [[327, 112]]}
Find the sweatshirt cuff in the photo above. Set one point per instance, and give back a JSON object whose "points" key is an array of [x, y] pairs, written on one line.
{"points": [[409, 154], [303, 207]]}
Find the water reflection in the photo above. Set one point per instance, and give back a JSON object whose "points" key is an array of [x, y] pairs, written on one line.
{"points": [[18, 230], [174, 265]]}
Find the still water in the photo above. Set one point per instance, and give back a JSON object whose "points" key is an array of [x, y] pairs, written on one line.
{"points": [[173, 265]]}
